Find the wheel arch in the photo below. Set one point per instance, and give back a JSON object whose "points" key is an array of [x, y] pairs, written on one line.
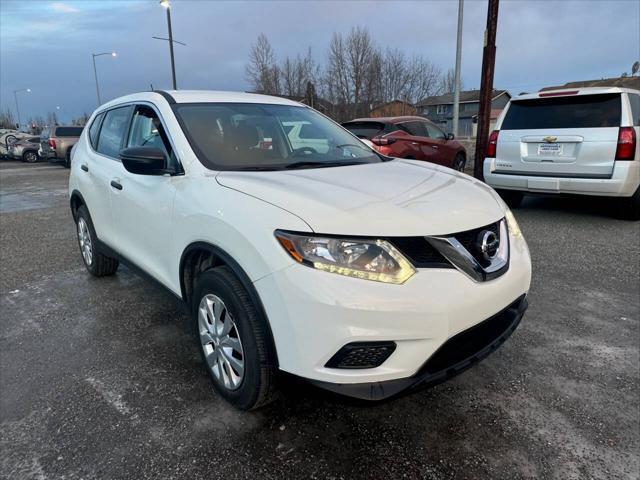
{"points": [[75, 202], [200, 256]]}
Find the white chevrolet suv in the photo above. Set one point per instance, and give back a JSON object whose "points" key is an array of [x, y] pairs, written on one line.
{"points": [[364, 274], [580, 141]]}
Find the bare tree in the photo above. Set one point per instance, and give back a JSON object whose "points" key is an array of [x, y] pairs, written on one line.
{"points": [[81, 121], [297, 73], [262, 70], [448, 82], [52, 119], [7, 119]]}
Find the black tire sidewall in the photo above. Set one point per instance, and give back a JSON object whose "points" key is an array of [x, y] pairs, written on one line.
{"points": [[25, 157], [459, 159], [217, 281], [84, 213]]}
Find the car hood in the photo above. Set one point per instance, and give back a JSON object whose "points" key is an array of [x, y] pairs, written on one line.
{"points": [[396, 198]]}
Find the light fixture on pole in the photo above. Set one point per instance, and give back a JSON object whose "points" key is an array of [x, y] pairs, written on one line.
{"points": [[95, 72], [167, 6], [15, 96]]}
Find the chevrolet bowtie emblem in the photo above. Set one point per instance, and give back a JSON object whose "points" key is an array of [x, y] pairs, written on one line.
{"points": [[550, 139]]}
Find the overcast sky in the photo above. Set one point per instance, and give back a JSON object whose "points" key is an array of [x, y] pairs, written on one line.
{"points": [[47, 45]]}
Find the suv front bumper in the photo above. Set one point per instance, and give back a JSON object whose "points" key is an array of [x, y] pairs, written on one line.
{"points": [[314, 314]]}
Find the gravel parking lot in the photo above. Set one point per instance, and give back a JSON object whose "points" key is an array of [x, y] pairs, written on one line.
{"points": [[99, 377]]}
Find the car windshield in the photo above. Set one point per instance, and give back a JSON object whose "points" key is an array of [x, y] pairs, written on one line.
{"points": [[248, 136]]}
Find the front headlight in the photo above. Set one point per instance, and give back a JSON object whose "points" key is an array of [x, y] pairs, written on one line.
{"points": [[371, 259], [514, 228]]}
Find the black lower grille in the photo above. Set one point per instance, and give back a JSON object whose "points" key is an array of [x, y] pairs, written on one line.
{"points": [[362, 355], [463, 347]]}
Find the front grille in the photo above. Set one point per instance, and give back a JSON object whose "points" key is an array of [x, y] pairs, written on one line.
{"points": [[362, 355], [420, 252], [469, 240], [423, 255]]}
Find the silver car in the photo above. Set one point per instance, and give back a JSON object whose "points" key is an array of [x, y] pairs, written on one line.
{"points": [[25, 149]]}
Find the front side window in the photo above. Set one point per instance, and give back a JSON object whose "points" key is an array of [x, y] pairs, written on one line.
{"points": [[147, 131], [113, 130], [248, 136], [582, 111], [434, 132]]}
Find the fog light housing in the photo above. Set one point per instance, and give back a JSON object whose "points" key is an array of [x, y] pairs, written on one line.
{"points": [[357, 355]]}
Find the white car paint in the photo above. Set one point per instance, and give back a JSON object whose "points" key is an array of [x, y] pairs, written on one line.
{"points": [[312, 313], [587, 165]]}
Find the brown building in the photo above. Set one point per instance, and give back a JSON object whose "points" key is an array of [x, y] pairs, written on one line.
{"points": [[394, 108]]}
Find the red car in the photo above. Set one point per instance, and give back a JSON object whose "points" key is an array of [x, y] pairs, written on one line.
{"points": [[410, 137]]}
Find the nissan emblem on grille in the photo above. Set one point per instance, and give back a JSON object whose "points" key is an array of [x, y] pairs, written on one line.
{"points": [[488, 243]]}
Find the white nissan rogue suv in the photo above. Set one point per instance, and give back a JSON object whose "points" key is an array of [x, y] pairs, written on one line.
{"points": [[580, 141], [364, 274]]}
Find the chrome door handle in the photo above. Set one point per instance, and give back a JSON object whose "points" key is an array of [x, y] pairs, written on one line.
{"points": [[436, 147], [84, 167], [414, 143]]}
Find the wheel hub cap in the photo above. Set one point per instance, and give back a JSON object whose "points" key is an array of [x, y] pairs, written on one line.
{"points": [[85, 241], [220, 342]]}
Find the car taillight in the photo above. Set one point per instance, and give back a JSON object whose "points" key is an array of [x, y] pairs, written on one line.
{"points": [[492, 146], [626, 144], [52, 143]]}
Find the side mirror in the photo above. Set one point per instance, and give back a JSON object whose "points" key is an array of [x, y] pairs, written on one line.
{"points": [[381, 141], [450, 136], [145, 161]]}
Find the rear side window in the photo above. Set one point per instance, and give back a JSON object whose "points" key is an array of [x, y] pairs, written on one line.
{"points": [[113, 130], [94, 129], [634, 100], [365, 129], [584, 111], [417, 129], [34, 140], [68, 131]]}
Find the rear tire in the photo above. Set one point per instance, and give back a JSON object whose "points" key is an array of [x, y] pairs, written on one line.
{"points": [[67, 159], [629, 208], [233, 339], [512, 198], [30, 156], [97, 264]]}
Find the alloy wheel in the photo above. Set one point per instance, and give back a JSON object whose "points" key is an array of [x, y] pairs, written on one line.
{"points": [[31, 157], [85, 241], [220, 342]]}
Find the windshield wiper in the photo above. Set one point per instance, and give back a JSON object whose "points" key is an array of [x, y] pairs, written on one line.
{"points": [[311, 163]]}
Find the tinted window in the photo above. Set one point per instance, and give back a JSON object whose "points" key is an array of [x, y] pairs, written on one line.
{"points": [[147, 131], [634, 100], [232, 136], [416, 128], [585, 111], [434, 132], [34, 140], [365, 129], [94, 129], [68, 131], [113, 130]]}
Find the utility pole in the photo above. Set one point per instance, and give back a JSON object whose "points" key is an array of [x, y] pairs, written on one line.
{"points": [[486, 87], [456, 91]]}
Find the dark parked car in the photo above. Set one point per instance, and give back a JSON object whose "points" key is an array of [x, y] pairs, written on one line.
{"points": [[410, 137]]}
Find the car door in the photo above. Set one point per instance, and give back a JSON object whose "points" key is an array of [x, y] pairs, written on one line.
{"points": [[98, 164], [421, 145], [437, 140], [143, 204]]}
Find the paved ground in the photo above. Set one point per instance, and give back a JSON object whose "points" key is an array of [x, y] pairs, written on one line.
{"points": [[98, 378]]}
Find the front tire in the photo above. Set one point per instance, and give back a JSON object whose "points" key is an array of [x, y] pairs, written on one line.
{"points": [[512, 198], [459, 163], [234, 340], [30, 157], [97, 264]]}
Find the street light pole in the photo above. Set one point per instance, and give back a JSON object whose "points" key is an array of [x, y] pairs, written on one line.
{"points": [[95, 72], [167, 6], [15, 96], [456, 91]]}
